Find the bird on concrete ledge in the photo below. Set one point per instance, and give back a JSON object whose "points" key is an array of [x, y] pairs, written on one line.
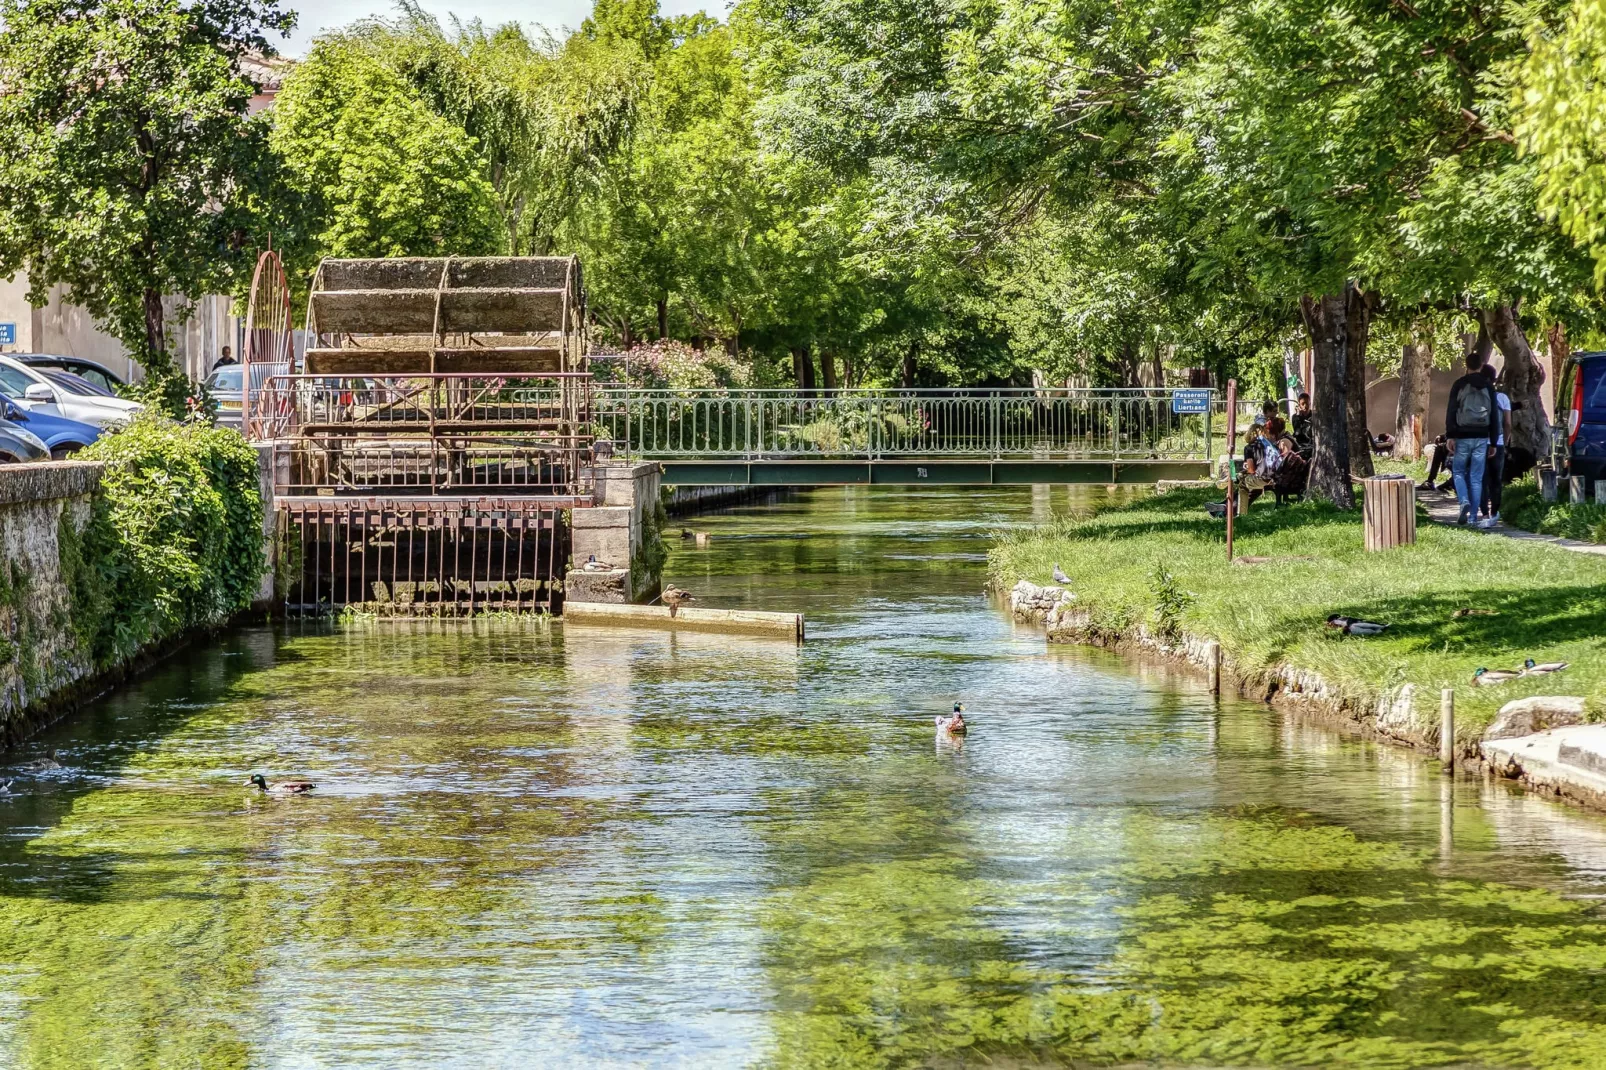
{"points": [[673, 597]]}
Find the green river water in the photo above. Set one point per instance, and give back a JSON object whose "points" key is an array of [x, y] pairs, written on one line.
{"points": [[582, 847]]}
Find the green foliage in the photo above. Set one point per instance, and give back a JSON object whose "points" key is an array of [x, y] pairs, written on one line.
{"points": [[129, 169], [1523, 507], [175, 539], [1170, 601], [382, 173]]}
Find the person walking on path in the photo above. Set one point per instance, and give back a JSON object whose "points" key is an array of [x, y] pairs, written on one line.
{"points": [[1494, 472], [1469, 429]]}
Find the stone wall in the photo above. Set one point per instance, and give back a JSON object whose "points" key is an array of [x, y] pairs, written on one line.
{"points": [[42, 666], [622, 532]]}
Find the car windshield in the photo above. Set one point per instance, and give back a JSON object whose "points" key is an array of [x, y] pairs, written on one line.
{"points": [[227, 378], [77, 384], [13, 382]]}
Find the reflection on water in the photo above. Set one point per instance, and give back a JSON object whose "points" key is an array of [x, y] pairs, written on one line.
{"points": [[532, 847]]}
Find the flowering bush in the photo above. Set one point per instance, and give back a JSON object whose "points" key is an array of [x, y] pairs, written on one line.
{"points": [[671, 365]]}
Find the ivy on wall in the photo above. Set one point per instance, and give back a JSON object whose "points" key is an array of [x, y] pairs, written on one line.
{"points": [[174, 538]]}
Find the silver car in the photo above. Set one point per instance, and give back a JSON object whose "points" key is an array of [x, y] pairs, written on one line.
{"points": [[226, 386]]}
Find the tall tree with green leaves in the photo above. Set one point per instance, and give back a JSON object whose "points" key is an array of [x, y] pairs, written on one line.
{"points": [[129, 168]]}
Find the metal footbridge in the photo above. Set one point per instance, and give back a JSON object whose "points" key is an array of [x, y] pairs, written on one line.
{"points": [[975, 436]]}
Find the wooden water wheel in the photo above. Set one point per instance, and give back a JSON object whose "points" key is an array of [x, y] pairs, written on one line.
{"points": [[269, 348]]}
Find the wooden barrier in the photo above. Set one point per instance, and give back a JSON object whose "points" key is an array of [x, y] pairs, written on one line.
{"points": [[1389, 511], [734, 621]]}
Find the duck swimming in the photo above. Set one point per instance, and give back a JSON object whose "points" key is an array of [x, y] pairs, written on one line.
{"points": [[954, 725], [1489, 677], [1355, 626], [45, 764], [281, 787], [1530, 668]]}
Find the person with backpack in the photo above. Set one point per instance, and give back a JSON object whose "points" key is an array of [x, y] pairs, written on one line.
{"points": [[1495, 471], [1469, 429]]}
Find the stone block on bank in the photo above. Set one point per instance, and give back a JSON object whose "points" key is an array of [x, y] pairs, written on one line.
{"points": [[1539, 713], [1046, 605], [605, 585]]}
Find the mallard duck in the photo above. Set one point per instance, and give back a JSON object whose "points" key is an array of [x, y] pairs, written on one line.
{"points": [[1059, 575], [673, 597], [687, 533], [1468, 611], [1530, 668], [593, 565], [45, 764], [1355, 626], [1489, 677], [1216, 509], [954, 724], [281, 787]]}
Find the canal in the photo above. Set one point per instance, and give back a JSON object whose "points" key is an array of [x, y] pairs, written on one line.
{"points": [[539, 846]]}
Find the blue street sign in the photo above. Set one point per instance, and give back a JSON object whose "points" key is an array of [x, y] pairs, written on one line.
{"points": [[1190, 401], [8, 334]]}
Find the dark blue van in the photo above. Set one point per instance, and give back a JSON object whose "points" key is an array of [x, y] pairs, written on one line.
{"points": [[1581, 410]]}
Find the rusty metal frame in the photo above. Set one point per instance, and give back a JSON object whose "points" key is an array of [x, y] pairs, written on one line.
{"points": [[462, 556]]}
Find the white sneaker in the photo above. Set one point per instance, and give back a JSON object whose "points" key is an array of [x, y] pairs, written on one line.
{"points": [[1485, 524]]}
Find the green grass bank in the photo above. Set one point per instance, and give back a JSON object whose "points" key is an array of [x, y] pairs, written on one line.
{"points": [[1530, 600]]}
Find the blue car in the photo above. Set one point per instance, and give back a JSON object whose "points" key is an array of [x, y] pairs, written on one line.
{"points": [[62, 436]]}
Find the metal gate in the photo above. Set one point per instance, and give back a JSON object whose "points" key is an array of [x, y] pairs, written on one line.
{"points": [[423, 556]]}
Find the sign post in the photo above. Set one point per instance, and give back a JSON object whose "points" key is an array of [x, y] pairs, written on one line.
{"points": [[1232, 453]]}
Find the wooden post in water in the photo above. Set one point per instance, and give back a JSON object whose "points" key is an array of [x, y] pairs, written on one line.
{"points": [[1232, 452], [1213, 666], [1447, 729]]}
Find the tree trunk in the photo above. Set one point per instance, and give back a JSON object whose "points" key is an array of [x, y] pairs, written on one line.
{"points": [[663, 318], [1159, 367], [1557, 352], [1358, 324], [828, 368], [1416, 382], [909, 365], [155, 332], [803, 368], [1326, 319], [1524, 378]]}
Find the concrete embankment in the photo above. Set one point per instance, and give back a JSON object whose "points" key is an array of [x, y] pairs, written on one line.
{"points": [[1541, 741]]}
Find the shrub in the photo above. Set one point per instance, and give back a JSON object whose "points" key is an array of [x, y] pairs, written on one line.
{"points": [[174, 541]]}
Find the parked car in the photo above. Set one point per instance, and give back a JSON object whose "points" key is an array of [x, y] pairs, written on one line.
{"points": [[98, 374], [62, 437], [226, 382], [77, 383], [19, 445], [35, 391], [1581, 412]]}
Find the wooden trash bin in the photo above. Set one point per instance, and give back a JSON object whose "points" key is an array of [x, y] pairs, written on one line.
{"points": [[1389, 511]]}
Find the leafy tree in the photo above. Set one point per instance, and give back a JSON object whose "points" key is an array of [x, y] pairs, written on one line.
{"points": [[129, 169], [381, 173]]}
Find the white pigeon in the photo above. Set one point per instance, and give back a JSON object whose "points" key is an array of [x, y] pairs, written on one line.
{"points": [[1059, 574]]}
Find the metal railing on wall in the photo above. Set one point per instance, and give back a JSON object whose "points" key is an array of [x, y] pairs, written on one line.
{"points": [[978, 423]]}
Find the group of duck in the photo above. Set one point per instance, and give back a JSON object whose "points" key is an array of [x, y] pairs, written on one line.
{"points": [[1482, 677]]}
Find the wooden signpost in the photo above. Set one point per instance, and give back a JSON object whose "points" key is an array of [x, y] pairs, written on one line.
{"points": [[1232, 454]]}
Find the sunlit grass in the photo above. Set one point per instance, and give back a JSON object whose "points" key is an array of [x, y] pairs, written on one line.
{"points": [[1532, 601]]}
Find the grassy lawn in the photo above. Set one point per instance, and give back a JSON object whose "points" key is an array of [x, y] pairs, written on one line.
{"points": [[1542, 602]]}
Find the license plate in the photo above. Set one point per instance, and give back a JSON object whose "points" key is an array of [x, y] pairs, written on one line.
{"points": [[228, 404]]}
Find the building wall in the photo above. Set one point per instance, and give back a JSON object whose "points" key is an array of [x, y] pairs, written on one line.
{"points": [[197, 331]]}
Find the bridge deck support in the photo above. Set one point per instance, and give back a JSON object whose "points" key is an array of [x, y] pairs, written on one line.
{"points": [[811, 472]]}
